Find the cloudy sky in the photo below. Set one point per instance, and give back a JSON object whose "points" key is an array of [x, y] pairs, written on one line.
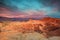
{"points": [[30, 8]]}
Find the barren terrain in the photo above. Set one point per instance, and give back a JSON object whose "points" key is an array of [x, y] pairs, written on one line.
{"points": [[44, 29]]}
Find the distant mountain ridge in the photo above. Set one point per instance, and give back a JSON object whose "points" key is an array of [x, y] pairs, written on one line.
{"points": [[26, 19], [12, 19], [16, 19]]}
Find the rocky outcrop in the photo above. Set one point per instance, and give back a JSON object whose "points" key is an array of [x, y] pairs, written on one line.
{"points": [[51, 28]]}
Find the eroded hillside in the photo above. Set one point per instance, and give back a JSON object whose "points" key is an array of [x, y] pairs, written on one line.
{"points": [[46, 27]]}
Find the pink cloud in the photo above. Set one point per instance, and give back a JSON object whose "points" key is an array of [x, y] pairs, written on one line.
{"points": [[28, 14]]}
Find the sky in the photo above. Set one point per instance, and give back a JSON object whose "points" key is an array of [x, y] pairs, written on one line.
{"points": [[29, 8]]}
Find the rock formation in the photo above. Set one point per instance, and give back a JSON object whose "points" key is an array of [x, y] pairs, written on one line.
{"points": [[46, 26]]}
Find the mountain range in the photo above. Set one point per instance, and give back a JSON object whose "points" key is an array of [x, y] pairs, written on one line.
{"points": [[16, 19]]}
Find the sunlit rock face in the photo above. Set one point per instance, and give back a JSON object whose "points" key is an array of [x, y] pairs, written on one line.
{"points": [[52, 27]]}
